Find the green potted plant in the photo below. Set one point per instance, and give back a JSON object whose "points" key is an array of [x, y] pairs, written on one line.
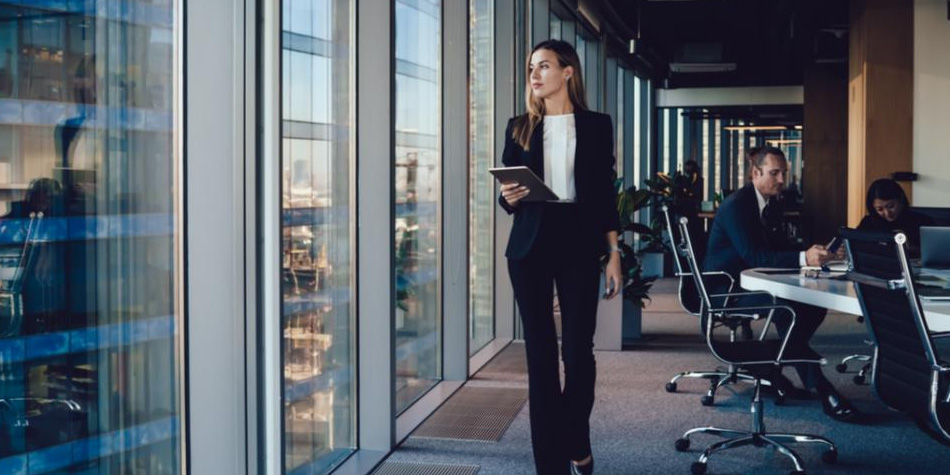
{"points": [[676, 192], [629, 202], [620, 319]]}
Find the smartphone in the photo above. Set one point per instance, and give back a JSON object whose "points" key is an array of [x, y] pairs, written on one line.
{"points": [[833, 246]]}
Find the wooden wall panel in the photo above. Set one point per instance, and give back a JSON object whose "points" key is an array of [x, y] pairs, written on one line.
{"points": [[880, 107], [825, 147]]}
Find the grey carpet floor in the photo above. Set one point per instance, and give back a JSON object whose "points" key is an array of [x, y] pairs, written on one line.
{"points": [[635, 421]]}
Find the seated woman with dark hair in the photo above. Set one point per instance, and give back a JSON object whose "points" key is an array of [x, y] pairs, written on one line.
{"points": [[888, 211]]}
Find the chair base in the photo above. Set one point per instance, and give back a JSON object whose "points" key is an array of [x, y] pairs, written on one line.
{"points": [[862, 376], [757, 437], [717, 379]]}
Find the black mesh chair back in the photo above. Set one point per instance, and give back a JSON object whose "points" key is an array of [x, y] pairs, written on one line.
{"points": [[688, 294], [694, 270], [907, 367]]}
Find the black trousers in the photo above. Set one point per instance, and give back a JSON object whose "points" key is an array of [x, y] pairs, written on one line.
{"points": [[560, 418]]}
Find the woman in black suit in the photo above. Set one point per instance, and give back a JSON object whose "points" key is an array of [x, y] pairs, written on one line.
{"points": [[561, 243], [888, 211]]}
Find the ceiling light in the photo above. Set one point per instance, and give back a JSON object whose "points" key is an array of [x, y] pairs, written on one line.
{"points": [[702, 67], [733, 128], [784, 142]]}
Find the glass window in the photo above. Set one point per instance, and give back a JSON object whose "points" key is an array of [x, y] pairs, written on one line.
{"points": [[706, 145], [318, 326], [619, 104], [740, 157], [481, 145], [588, 51], [418, 171], [666, 141], [90, 325], [681, 150], [555, 26], [648, 164], [717, 155], [638, 130]]}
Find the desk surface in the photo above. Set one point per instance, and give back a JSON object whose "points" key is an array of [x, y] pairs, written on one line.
{"points": [[838, 295]]}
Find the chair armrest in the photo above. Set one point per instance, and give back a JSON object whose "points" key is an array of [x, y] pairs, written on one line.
{"points": [[771, 309], [719, 273], [751, 292], [743, 310]]}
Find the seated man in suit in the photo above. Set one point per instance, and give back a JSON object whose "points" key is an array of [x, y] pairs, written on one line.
{"points": [[748, 232]]}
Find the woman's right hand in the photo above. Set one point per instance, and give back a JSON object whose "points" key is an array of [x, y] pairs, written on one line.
{"points": [[514, 193]]}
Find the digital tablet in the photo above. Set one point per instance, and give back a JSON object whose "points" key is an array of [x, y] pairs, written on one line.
{"points": [[524, 177]]}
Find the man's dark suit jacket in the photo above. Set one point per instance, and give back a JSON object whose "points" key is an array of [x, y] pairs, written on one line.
{"points": [[593, 182], [739, 240]]}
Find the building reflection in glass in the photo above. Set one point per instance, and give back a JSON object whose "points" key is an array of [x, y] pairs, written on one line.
{"points": [[317, 159], [89, 323], [481, 158], [418, 184]]}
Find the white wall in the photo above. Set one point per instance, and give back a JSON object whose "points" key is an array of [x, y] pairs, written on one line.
{"points": [[931, 103], [730, 96]]}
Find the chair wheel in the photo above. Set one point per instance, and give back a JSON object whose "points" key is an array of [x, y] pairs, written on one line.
{"points": [[841, 368], [671, 387], [707, 400], [697, 468], [682, 445], [830, 457], [858, 379]]}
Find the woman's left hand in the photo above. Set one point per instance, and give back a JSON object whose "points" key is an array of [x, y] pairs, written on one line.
{"points": [[613, 277]]}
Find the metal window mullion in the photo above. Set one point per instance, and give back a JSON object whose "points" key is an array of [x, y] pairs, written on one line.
{"points": [[506, 91], [455, 190], [214, 217], [375, 86], [269, 256]]}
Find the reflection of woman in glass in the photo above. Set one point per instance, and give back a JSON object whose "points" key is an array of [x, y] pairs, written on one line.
{"points": [[560, 243], [888, 211]]}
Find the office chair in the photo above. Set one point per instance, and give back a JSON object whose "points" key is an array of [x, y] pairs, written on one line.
{"points": [[692, 304], [759, 357], [909, 374], [14, 264]]}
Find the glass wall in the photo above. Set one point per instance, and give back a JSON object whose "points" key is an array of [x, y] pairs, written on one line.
{"points": [[718, 145], [317, 269], [90, 325], [620, 118], [640, 152], [481, 145], [588, 52], [418, 188]]}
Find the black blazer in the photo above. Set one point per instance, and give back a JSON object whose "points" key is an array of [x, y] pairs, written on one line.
{"points": [[593, 182], [738, 240]]}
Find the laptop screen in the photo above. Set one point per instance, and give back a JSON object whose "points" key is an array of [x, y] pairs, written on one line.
{"points": [[935, 246]]}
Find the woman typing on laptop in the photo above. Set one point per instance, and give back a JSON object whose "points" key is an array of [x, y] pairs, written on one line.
{"points": [[888, 211]]}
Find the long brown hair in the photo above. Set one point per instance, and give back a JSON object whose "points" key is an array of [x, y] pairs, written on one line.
{"points": [[566, 56]]}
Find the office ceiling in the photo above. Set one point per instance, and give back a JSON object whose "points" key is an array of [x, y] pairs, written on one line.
{"points": [[769, 42]]}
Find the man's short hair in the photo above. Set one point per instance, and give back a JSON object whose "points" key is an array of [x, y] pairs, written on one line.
{"points": [[757, 157]]}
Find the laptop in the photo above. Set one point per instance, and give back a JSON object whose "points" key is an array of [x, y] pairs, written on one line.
{"points": [[935, 247]]}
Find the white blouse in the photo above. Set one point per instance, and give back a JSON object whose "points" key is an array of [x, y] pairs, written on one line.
{"points": [[560, 140]]}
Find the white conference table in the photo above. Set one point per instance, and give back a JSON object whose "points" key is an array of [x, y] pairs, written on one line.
{"points": [[833, 294]]}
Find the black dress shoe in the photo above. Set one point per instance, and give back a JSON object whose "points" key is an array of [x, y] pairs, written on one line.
{"points": [[781, 383], [838, 408], [586, 469]]}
